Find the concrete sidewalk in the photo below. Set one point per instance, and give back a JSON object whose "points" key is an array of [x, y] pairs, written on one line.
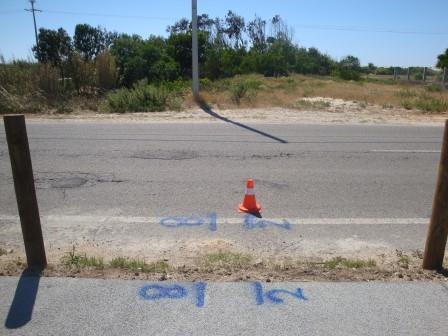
{"points": [[66, 306]]}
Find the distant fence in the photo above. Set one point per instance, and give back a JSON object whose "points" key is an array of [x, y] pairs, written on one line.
{"points": [[415, 75]]}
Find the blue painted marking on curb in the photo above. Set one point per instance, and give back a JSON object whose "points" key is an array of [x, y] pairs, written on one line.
{"points": [[160, 292], [200, 294], [156, 292], [272, 295], [258, 293]]}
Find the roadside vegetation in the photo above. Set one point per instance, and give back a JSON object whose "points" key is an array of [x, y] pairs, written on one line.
{"points": [[306, 92], [349, 263], [74, 261], [232, 265], [3, 251], [241, 65]]}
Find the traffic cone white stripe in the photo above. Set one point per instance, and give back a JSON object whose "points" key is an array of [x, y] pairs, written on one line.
{"points": [[250, 191]]}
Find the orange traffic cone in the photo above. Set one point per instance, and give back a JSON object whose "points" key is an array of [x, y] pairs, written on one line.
{"points": [[249, 203]]}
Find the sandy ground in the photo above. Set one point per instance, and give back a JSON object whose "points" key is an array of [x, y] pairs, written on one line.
{"points": [[335, 111]]}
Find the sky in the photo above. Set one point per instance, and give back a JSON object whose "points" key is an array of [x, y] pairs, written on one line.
{"points": [[384, 32]]}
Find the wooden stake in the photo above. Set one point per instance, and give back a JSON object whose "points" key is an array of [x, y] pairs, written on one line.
{"points": [[438, 227], [22, 172]]}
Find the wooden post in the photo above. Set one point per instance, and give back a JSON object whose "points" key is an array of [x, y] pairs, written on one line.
{"points": [[22, 172], [444, 76], [395, 74], [438, 227], [424, 74], [409, 74]]}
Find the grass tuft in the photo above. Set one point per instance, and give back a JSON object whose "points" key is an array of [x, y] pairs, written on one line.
{"points": [[228, 260], [137, 265], [3, 251], [75, 260], [315, 104], [349, 263]]}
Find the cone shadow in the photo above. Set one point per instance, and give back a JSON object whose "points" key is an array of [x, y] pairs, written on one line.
{"points": [[255, 214]]}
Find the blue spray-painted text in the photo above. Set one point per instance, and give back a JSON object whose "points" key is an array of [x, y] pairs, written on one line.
{"points": [[174, 222], [155, 292], [272, 295], [250, 222]]}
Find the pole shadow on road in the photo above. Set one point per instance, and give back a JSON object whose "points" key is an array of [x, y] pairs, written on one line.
{"points": [[204, 106], [22, 305]]}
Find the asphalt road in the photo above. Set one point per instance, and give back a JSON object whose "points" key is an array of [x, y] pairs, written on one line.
{"points": [[60, 306], [306, 171], [111, 185]]}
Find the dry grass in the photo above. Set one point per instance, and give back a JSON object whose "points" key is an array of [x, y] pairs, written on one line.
{"points": [[225, 265], [288, 92]]}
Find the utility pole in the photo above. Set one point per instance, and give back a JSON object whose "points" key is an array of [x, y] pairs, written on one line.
{"points": [[33, 10], [194, 36]]}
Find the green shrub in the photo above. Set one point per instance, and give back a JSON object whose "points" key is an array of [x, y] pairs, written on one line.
{"points": [[418, 76], [140, 98], [347, 74], [426, 103], [241, 88], [407, 93], [238, 91], [205, 84], [433, 87], [431, 104]]}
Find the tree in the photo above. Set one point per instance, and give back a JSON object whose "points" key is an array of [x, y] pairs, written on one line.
{"points": [[235, 28], [443, 60], [349, 68], [181, 26], [280, 30], [90, 41], [371, 68], [179, 49], [257, 34], [55, 47], [139, 59], [126, 50], [280, 58]]}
